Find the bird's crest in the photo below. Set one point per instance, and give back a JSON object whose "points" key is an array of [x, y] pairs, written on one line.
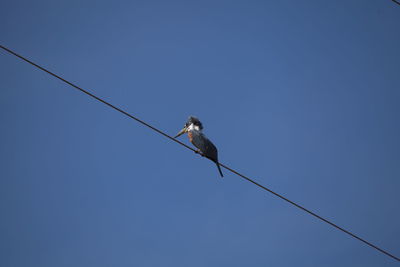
{"points": [[195, 121]]}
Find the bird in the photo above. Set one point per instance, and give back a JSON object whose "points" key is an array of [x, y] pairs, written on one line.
{"points": [[193, 127]]}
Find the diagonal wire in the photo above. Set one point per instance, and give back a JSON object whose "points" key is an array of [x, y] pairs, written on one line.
{"points": [[188, 147], [395, 1]]}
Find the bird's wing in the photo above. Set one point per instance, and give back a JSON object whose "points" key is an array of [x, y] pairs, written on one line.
{"points": [[210, 150]]}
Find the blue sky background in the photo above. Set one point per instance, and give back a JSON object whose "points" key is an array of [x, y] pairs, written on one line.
{"points": [[303, 96]]}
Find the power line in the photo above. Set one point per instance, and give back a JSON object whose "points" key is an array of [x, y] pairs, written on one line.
{"points": [[188, 147], [396, 2]]}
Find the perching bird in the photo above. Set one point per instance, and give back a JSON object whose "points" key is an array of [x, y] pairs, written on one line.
{"points": [[194, 129]]}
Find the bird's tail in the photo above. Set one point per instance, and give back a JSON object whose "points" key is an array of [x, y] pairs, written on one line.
{"points": [[219, 169]]}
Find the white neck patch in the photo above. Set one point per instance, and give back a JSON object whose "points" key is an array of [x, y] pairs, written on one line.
{"points": [[193, 127]]}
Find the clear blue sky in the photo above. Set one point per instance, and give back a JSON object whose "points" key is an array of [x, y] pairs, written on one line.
{"points": [[303, 96]]}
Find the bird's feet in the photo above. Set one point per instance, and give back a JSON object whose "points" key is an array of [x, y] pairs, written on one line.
{"points": [[197, 151]]}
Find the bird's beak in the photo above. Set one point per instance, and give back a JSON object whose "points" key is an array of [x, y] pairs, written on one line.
{"points": [[184, 130]]}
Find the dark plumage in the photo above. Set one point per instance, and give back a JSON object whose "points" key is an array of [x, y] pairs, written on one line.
{"points": [[194, 129], [206, 147]]}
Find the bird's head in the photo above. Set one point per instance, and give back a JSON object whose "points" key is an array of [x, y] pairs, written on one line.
{"points": [[192, 124]]}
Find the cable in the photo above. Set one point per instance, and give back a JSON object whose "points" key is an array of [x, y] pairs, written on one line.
{"points": [[188, 147], [396, 2]]}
